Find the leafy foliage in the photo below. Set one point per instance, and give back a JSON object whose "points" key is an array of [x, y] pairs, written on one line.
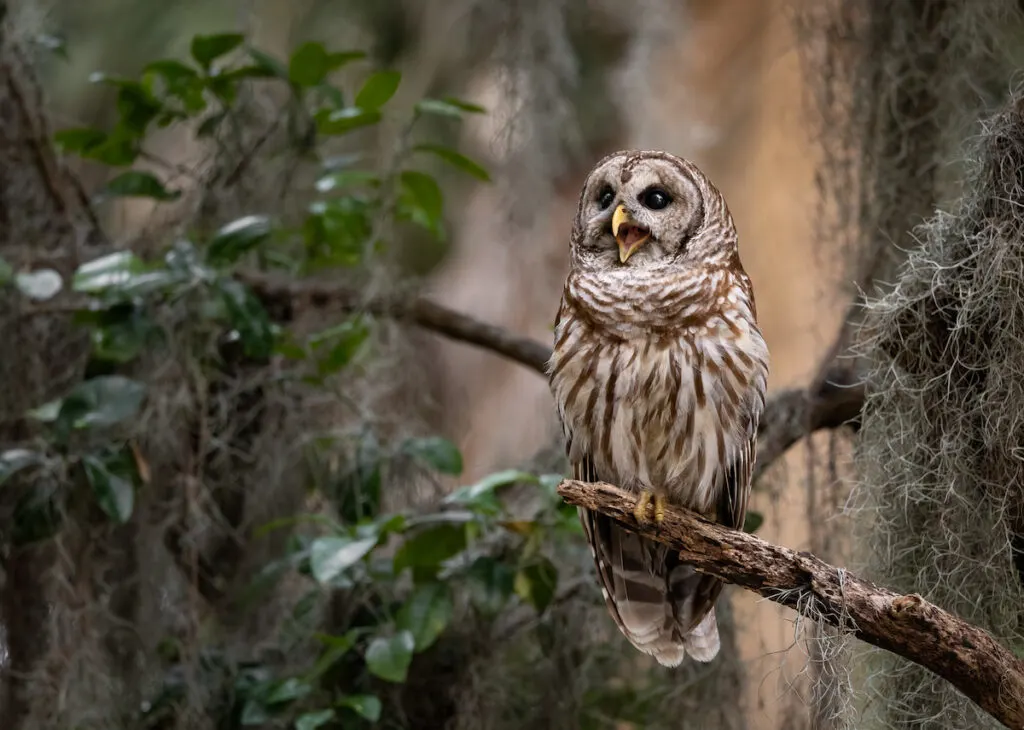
{"points": [[413, 576]]}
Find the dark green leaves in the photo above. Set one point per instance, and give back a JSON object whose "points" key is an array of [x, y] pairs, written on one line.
{"points": [[430, 547], [536, 583], [389, 657], [310, 63], [421, 201], [237, 238], [114, 493], [752, 521], [107, 272], [378, 89], [247, 315], [314, 720], [490, 584], [448, 107], [138, 184], [426, 613], [335, 347], [456, 160], [330, 556], [440, 453], [366, 706], [206, 49], [101, 402], [342, 121]]}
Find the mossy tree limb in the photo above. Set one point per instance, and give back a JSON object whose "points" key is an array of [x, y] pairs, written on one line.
{"points": [[966, 656]]}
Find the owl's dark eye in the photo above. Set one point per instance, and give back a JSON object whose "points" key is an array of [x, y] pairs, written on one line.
{"points": [[605, 197], [655, 198]]}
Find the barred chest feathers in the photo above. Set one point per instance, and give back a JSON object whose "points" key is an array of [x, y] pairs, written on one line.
{"points": [[664, 404]]}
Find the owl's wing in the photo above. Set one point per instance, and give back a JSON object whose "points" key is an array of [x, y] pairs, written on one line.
{"points": [[738, 474]]}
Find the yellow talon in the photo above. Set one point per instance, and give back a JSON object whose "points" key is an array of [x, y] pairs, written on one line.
{"points": [[642, 504], [659, 508]]}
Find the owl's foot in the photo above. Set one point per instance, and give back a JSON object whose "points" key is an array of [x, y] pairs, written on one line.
{"points": [[643, 505]]}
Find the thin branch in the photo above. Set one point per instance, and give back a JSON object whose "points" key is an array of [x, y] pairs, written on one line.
{"points": [[966, 656], [282, 297], [789, 415]]}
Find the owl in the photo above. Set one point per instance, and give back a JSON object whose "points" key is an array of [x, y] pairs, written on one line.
{"points": [[659, 372]]}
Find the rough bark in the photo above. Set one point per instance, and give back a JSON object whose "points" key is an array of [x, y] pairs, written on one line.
{"points": [[964, 655]]}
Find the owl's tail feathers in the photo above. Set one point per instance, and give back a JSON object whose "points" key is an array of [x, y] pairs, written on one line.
{"points": [[702, 642]]}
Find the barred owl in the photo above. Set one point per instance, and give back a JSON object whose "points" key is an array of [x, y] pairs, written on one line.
{"points": [[659, 374]]}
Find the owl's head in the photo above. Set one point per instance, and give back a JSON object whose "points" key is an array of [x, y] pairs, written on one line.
{"points": [[643, 209]]}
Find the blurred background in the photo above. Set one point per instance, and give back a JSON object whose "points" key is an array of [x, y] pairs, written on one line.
{"points": [[240, 587]]}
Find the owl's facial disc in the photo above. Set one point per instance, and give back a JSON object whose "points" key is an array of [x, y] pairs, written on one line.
{"points": [[629, 234]]}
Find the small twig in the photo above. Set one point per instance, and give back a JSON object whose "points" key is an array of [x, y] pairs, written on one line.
{"points": [[966, 656]]}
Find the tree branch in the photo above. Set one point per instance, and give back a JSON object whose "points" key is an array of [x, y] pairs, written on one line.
{"points": [[789, 415], [966, 656]]}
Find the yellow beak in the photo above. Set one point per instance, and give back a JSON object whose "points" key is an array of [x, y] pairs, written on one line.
{"points": [[628, 233]]}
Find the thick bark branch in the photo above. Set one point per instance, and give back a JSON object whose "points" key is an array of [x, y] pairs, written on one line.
{"points": [[789, 415], [966, 656]]}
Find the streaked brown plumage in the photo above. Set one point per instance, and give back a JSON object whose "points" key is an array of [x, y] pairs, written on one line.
{"points": [[659, 373]]}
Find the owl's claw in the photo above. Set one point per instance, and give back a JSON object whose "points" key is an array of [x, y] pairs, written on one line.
{"points": [[659, 508], [643, 505]]}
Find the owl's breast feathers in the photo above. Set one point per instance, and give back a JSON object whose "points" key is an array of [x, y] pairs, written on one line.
{"points": [[660, 383]]}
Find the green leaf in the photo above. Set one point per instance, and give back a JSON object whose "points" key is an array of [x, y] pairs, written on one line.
{"points": [[310, 63], [248, 317], [490, 583], [208, 48], [426, 613], [330, 556], [14, 460], [482, 496], [102, 402], [266, 65], [422, 201], [180, 81], [313, 720], [346, 178], [342, 121], [455, 159], [117, 149], [366, 706], [343, 342], [235, 239], [38, 515], [287, 691], [752, 521], [439, 452], [336, 232], [335, 647], [430, 547], [536, 584], [389, 657], [41, 284], [80, 139], [448, 107], [6, 272], [378, 89], [114, 494], [106, 272], [140, 184], [121, 334]]}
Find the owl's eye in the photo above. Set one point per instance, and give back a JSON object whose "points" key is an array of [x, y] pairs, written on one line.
{"points": [[605, 197], [655, 198]]}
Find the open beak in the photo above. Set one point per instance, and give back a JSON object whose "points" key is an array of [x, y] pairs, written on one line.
{"points": [[629, 234]]}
